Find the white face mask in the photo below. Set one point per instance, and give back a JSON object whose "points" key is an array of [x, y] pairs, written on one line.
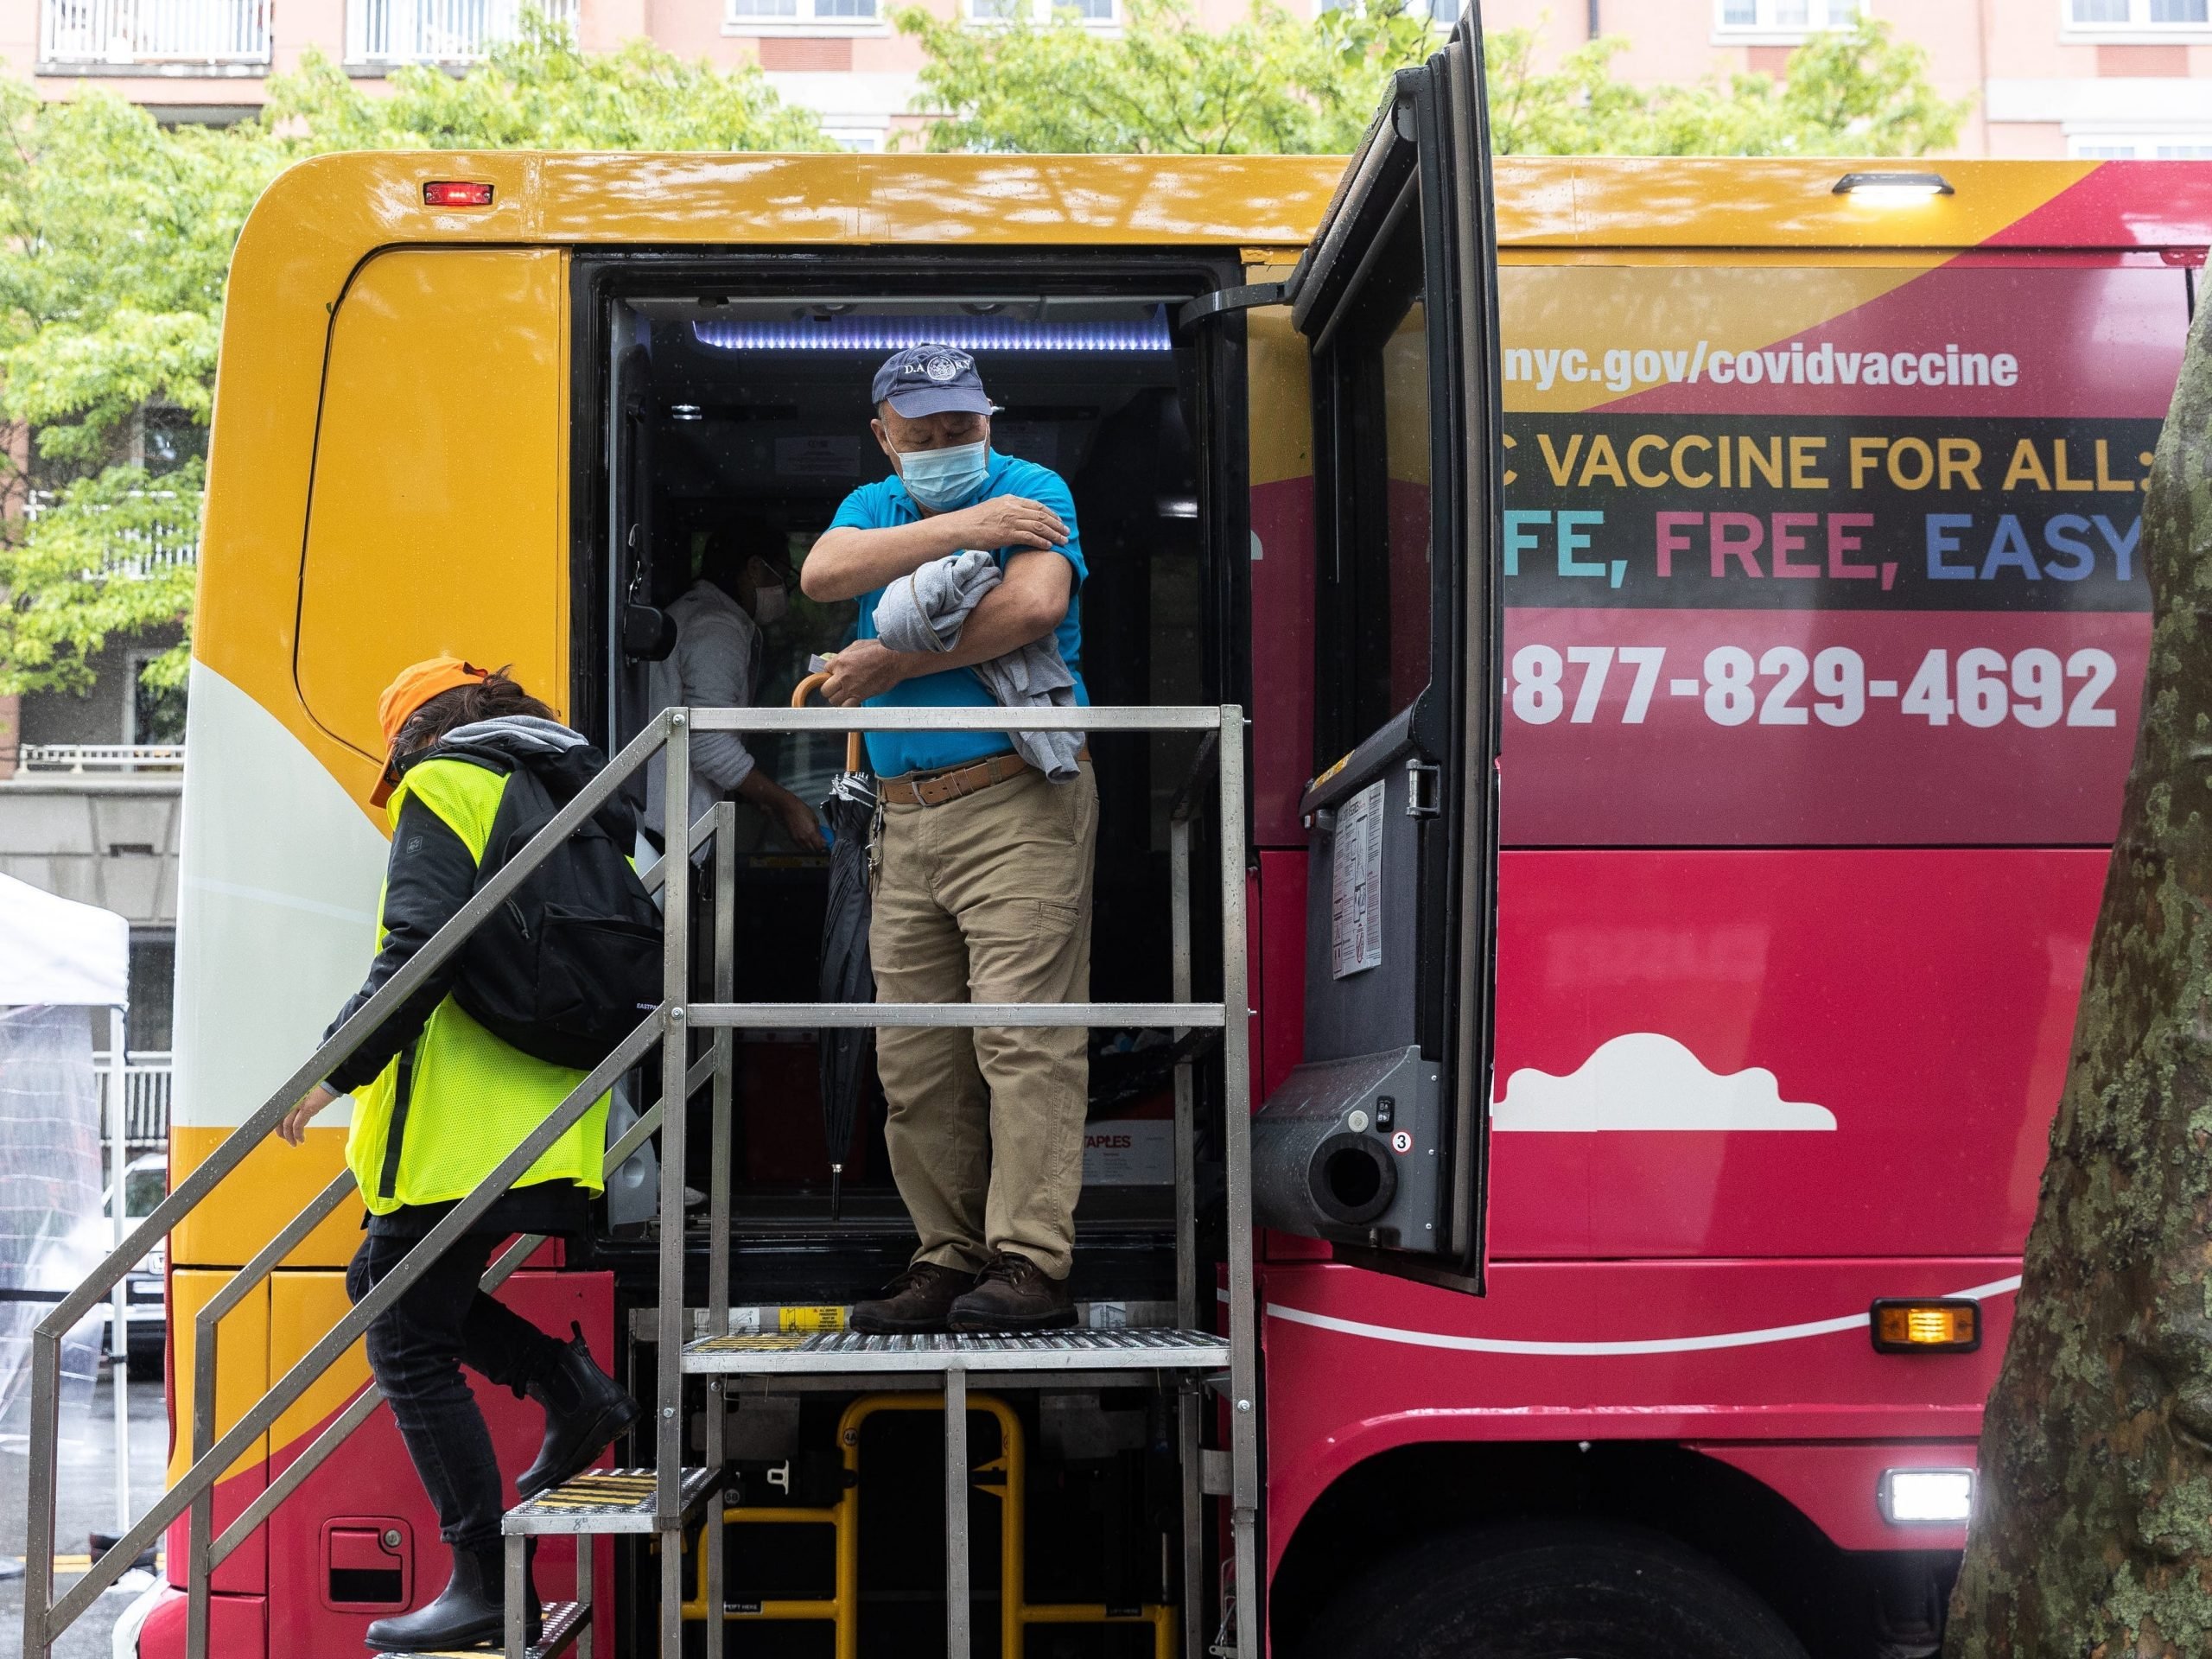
{"points": [[769, 605]]}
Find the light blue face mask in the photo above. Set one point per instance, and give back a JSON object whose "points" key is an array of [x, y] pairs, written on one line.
{"points": [[944, 478]]}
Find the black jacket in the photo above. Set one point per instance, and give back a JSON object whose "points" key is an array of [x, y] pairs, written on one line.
{"points": [[430, 875]]}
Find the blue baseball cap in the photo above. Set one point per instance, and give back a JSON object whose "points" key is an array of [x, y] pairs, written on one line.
{"points": [[928, 378]]}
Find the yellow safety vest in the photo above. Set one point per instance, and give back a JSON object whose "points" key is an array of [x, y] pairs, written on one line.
{"points": [[471, 1099]]}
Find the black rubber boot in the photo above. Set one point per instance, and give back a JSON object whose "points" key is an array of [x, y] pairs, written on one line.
{"points": [[470, 1611], [585, 1410]]}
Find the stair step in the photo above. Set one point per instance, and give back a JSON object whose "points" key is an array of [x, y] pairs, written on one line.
{"points": [[604, 1500], [562, 1621], [850, 1353]]}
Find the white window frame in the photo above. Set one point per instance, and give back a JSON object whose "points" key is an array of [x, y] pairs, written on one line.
{"points": [[1041, 12], [1422, 9], [2091, 144], [1841, 14], [803, 21], [2137, 30]]}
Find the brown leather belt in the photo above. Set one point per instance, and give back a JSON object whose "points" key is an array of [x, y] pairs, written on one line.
{"points": [[955, 783]]}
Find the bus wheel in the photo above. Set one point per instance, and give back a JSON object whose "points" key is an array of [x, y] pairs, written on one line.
{"points": [[1550, 1590]]}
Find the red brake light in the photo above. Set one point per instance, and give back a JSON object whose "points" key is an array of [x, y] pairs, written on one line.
{"points": [[456, 192]]}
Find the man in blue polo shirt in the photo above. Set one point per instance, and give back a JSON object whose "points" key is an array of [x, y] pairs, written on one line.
{"points": [[982, 882]]}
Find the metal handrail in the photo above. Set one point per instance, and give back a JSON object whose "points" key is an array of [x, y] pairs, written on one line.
{"points": [[208, 1467], [205, 1555], [360, 1409], [668, 733], [44, 1618]]}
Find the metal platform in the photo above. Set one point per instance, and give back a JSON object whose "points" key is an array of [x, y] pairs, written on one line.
{"points": [[602, 1501], [562, 1621], [847, 1353]]}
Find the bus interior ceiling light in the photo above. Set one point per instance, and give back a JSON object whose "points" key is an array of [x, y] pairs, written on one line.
{"points": [[1892, 189], [456, 192], [1934, 1325], [1925, 1497], [969, 333]]}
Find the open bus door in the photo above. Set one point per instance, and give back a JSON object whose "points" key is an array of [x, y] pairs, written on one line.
{"points": [[1377, 1139]]}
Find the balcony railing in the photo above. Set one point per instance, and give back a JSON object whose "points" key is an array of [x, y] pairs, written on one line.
{"points": [[152, 33], [100, 757], [145, 1096], [380, 32]]}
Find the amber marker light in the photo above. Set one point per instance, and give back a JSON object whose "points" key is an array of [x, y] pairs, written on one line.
{"points": [[456, 192], [1892, 189], [1945, 1326]]}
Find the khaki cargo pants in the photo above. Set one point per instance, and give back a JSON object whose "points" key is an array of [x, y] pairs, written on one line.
{"points": [[986, 898]]}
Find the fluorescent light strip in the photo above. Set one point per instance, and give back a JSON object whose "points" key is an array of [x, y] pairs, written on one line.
{"points": [[880, 333]]}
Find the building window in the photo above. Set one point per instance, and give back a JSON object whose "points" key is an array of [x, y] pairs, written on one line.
{"points": [[153, 988], [2139, 146], [226, 33], [438, 31], [1042, 11], [167, 438], [2149, 15], [741, 14], [156, 712], [1785, 17]]}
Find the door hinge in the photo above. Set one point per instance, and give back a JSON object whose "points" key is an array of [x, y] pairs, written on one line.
{"points": [[1215, 1478], [1424, 789], [1222, 301]]}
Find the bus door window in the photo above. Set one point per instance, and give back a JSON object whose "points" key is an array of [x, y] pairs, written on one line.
{"points": [[1375, 1141]]}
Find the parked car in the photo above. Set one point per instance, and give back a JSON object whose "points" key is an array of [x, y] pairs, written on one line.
{"points": [[145, 1184]]}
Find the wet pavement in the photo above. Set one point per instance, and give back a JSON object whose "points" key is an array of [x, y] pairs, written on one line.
{"points": [[86, 1502]]}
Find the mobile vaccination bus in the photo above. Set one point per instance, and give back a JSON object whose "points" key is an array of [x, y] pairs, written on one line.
{"points": [[1624, 668]]}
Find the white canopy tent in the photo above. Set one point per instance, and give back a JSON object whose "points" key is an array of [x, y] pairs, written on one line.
{"points": [[57, 953]]}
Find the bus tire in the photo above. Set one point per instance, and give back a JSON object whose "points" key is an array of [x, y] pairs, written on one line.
{"points": [[1551, 1590]]}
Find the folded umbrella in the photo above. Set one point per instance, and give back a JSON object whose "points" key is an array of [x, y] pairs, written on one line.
{"points": [[849, 811]]}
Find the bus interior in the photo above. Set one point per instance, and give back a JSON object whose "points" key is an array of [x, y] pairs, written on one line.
{"points": [[732, 419]]}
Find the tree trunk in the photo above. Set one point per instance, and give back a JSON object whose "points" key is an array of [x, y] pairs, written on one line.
{"points": [[2093, 1535]]}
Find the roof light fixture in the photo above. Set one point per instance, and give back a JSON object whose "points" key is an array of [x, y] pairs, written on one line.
{"points": [[456, 192], [857, 331], [1892, 189]]}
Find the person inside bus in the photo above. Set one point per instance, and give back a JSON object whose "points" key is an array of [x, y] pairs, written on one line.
{"points": [[983, 879], [463, 1099], [739, 587]]}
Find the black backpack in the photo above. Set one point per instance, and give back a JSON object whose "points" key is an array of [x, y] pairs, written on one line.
{"points": [[566, 968]]}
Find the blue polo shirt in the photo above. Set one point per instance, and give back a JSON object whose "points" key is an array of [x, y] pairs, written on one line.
{"points": [[883, 505]]}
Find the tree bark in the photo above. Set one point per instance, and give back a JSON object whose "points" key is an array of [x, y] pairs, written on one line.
{"points": [[2093, 1533]]}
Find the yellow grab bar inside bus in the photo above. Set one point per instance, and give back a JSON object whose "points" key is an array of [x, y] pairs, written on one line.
{"points": [[843, 1517]]}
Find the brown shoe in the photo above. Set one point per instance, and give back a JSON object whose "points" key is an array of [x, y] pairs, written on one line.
{"points": [[917, 1300], [1012, 1293]]}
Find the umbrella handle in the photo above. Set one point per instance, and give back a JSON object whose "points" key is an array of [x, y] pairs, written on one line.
{"points": [[805, 689]]}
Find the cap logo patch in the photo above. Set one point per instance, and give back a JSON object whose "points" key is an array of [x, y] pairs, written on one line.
{"points": [[944, 367]]}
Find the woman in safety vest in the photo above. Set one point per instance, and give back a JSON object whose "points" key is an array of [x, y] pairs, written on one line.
{"points": [[438, 1102]]}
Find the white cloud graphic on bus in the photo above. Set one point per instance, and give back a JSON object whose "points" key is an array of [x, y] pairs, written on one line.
{"points": [[1645, 1081]]}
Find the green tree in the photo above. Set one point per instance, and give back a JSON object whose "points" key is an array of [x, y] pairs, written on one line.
{"points": [[1272, 83], [1164, 86], [2093, 1531], [540, 92], [1855, 92], [116, 236]]}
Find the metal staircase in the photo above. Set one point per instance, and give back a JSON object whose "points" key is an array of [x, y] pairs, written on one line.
{"points": [[665, 1498]]}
